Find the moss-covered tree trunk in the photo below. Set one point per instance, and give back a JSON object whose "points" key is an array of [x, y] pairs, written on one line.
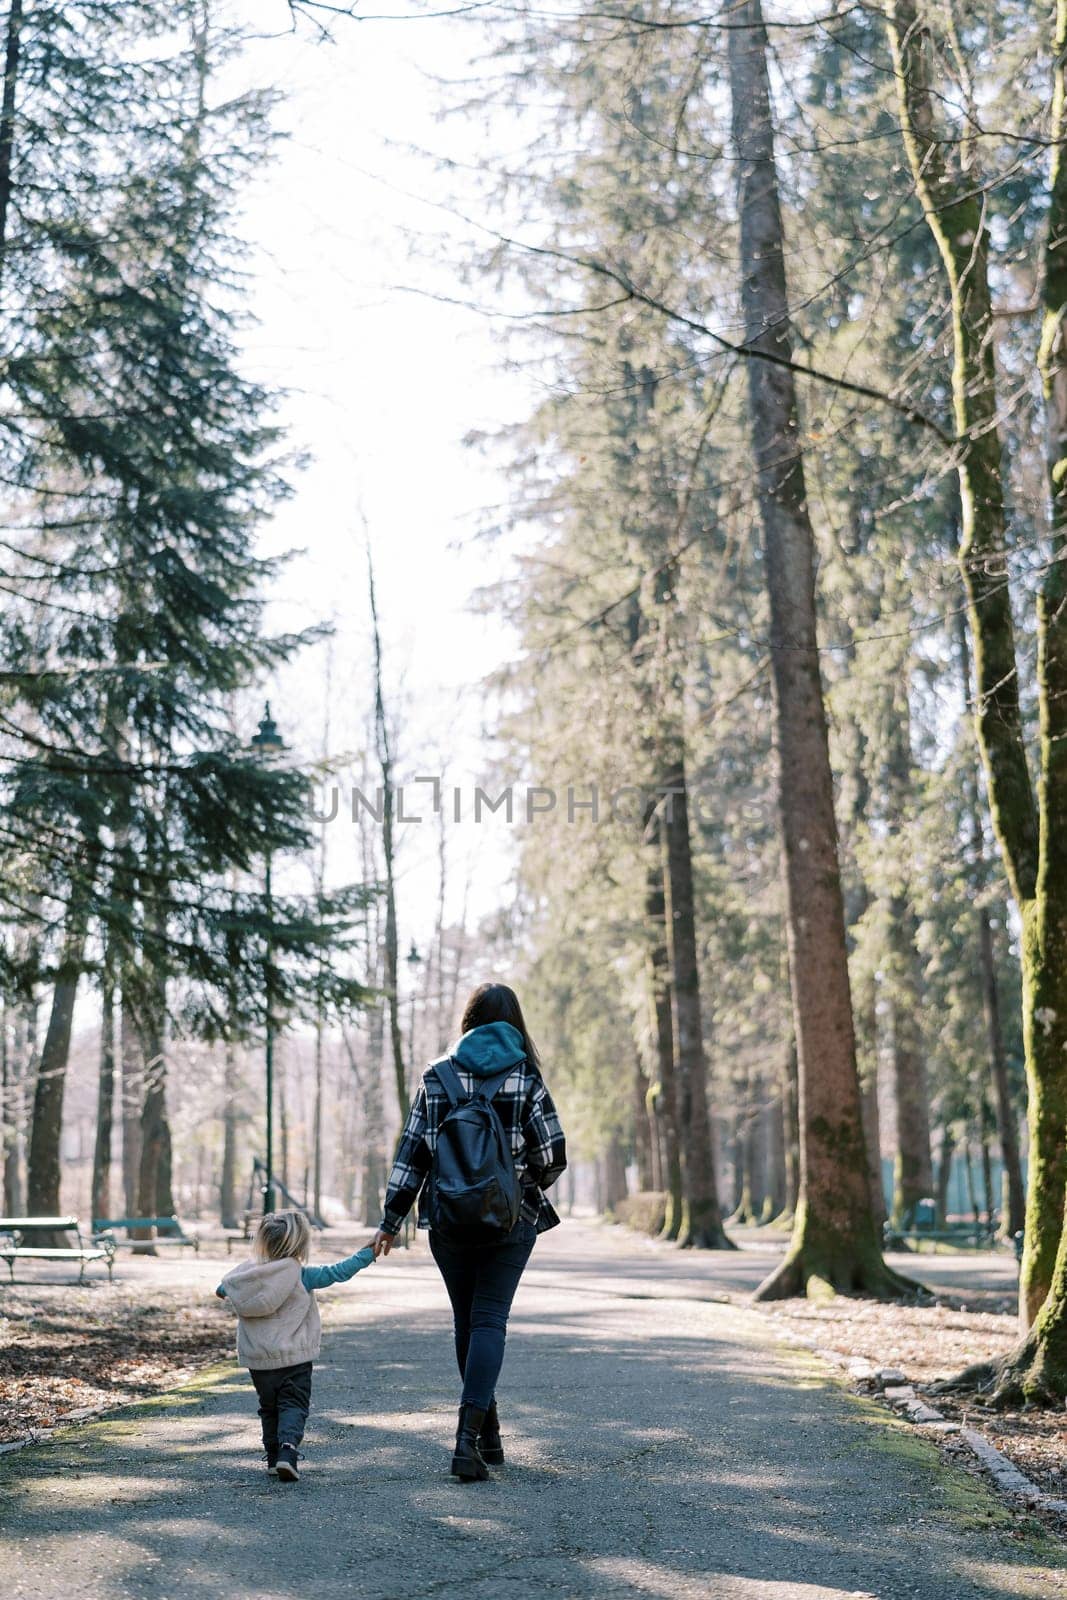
{"points": [[835, 1237], [1032, 835], [1039, 1367], [701, 1213]]}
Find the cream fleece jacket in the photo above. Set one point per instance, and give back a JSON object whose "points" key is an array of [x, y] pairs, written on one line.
{"points": [[273, 1318], [277, 1318]]}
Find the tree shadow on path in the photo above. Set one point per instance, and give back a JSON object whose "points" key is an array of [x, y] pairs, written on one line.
{"points": [[655, 1449]]}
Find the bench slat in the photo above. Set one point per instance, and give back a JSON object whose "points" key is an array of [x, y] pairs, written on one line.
{"points": [[51, 1255], [100, 1223], [63, 1224], [140, 1244]]}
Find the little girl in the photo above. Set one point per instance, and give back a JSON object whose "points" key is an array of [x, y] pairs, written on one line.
{"points": [[278, 1327]]}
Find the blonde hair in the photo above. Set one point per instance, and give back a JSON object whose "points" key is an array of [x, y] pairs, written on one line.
{"points": [[281, 1234]]}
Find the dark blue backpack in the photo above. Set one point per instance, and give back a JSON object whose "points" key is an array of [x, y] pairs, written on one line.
{"points": [[473, 1193]]}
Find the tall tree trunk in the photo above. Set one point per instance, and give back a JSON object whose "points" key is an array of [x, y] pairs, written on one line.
{"points": [[24, 1053], [914, 1176], [1013, 1199], [166, 1205], [43, 1172], [132, 1102], [755, 1153], [701, 1215], [100, 1203], [972, 1191], [283, 1117], [661, 1023], [774, 1136], [8, 118], [872, 1133], [642, 1125], [737, 1165], [153, 1170], [1013, 1202], [228, 1178], [369, 1084], [316, 1115], [653, 1111], [1032, 832], [791, 1118], [155, 1134], [614, 1175], [944, 1173], [385, 762], [835, 1236], [985, 1123], [8, 1093]]}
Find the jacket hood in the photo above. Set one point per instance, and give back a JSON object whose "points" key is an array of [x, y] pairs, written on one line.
{"points": [[487, 1050], [260, 1288]]}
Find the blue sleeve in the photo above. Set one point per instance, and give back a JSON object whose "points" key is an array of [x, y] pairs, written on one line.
{"points": [[337, 1271]]}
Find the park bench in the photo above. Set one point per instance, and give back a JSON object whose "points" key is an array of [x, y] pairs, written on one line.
{"points": [[15, 1230], [104, 1228], [966, 1235]]}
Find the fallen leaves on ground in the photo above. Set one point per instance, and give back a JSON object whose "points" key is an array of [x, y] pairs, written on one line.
{"points": [[65, 1350]]}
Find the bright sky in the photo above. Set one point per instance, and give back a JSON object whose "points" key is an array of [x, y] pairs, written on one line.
{"points": [[385, 386]]}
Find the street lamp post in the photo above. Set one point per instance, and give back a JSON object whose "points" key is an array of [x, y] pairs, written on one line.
{"points": [[414, 961], [267, 742]]}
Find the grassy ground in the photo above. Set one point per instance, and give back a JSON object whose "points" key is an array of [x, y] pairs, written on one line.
{"points": [[65, 1349]]}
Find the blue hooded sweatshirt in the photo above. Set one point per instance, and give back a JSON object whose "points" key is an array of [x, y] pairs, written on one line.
{"points": [[490, 1049]]}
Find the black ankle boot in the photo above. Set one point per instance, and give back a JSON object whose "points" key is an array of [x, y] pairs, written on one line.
{"points": [[490, 1447], [467, 1461]]}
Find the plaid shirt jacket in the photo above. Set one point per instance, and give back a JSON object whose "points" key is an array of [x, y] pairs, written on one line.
{"points": [[530, 1120]]}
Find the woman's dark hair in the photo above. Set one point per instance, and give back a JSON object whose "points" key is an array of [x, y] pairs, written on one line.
{"points": [[495, 1002]]}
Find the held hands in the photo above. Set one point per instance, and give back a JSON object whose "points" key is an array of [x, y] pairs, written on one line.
{"points": [[382, 1243]]}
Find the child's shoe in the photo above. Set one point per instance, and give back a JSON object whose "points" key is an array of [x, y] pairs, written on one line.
{"points": [[286, 1468]]}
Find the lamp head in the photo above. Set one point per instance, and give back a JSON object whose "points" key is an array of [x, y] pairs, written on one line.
{"points": [[267, 740]]}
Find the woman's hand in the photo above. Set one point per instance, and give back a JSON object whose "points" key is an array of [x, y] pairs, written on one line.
{"points": [[382, 1243]]}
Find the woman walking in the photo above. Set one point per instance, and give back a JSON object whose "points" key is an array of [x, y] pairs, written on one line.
{"points": [[495, 1061]]}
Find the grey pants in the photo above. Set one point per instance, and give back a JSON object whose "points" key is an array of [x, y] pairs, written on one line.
{"points": [[284, 1398]]}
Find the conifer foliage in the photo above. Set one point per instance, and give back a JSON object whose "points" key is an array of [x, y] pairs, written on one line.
{"points": [[137, 466]]}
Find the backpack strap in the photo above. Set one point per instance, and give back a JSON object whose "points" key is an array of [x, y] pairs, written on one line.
{"points": [[488, 1087], [448, 1078]]}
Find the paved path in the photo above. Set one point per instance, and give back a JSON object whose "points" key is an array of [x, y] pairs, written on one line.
{"points": [[661, 1444]]}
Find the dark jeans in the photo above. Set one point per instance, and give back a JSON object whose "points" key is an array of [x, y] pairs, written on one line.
{"points": [[284, 1399], [481, 1281]]}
